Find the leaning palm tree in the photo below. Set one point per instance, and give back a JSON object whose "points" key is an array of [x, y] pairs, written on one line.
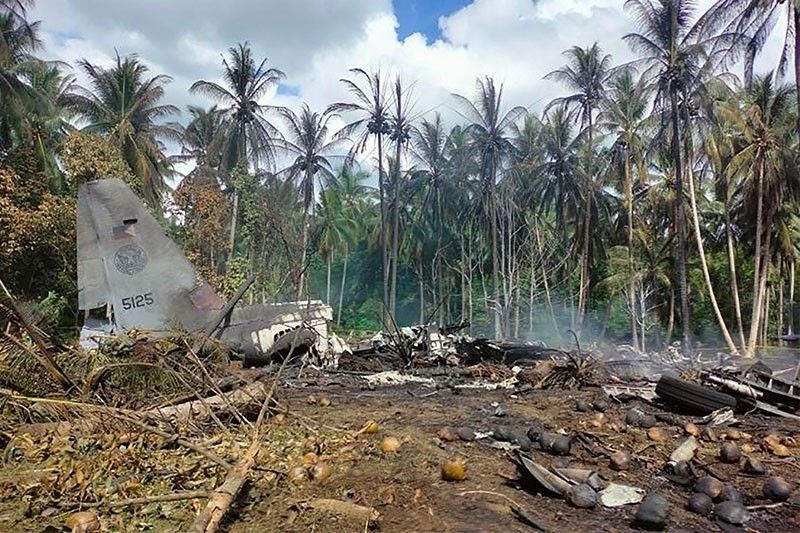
{"points": [[763, 125], [309, 143], [490, 128], [372, 107], [585, 73], [250, 136], [123, 104]]}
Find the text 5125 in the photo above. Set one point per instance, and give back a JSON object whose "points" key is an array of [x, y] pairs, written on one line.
{"points": [[140, 300]]}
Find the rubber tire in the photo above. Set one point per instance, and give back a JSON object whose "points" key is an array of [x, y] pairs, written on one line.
{"points": [[693, 396]]}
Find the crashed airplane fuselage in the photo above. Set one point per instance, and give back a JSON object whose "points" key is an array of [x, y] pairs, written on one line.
{"points": [[127, 264]]}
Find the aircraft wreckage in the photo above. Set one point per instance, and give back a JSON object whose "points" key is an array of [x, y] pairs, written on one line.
{"points": [[139, 275]]}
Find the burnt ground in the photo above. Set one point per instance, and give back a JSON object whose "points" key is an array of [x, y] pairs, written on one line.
{"points": [[404, 487]]}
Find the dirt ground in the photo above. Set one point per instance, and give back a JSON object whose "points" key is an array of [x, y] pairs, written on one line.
{"points": [[405, 487]]}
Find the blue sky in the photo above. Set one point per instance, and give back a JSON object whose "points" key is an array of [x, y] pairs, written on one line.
{"points": [[423, 16]]}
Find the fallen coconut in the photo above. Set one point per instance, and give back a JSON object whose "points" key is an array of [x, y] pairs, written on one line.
{"points": [[582, 406], [446, 434], [298, 474], [311, 399], [324, 402], [597, 420], [389, 444], [682, 469], [777, 489], [620, 461], [535, 431], [710, 486], [652, 512], [310, 458], [633, 417], [454, 469], [546, 441], [691, 429], [465, 434], [700, 503], [582, 496], [648, 421], [370, 427], [730, 494], [729, 453], [657, 434], [562, 446], [754, 467], [523, 442], [600, 405], [731, 512], [83, 522], [321, 472]]}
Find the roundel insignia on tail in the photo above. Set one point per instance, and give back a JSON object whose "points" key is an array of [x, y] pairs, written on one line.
{"points": [[130, 259]]}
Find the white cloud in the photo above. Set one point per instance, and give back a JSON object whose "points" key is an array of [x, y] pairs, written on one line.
{"points": [[315, 42]]}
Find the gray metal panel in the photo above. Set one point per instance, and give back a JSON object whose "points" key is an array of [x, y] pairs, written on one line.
{"points": [[148, 277], [92, 287]]}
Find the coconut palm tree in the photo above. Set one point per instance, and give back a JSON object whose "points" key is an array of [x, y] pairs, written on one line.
{"points": [[753, 22], [373, 109], [674, 58], [309, 143], [354, 205], [490, 128], [624, 115], [250, 135], [46, 121], [123, 104], [336, 229], [18, 42], [763, 124], [585, 73], [203, 141], [431, 147], [400, 135]]}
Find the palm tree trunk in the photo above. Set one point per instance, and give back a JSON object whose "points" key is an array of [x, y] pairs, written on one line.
{"points": [[395, 207], [631, 283], [531, 289], [791, 296], [498, 307], [779, 330], [421, 297], [308, 202], [756, 308], [679, 223], [545, 283], [737, 307], [234, 218], [383, 243], [671, 321], [328, 289], [704, 265], [516, 301], [341, 289]]}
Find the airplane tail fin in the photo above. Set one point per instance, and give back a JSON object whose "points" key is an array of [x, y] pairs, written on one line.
{"points": [[125, 259]]}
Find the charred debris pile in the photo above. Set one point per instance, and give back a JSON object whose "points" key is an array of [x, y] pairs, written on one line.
{"points": [[174, 428]]}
